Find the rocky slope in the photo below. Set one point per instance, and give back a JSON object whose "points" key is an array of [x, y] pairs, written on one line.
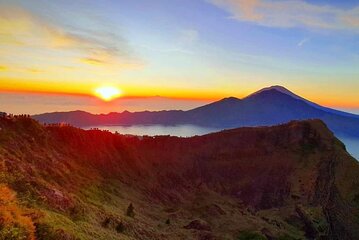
{"points": [[293, 181]]}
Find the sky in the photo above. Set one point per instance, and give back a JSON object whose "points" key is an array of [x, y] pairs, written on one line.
{"points": [[175, 54]]}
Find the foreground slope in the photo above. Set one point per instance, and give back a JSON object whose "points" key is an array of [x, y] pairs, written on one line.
{"points": [[293, 181]]}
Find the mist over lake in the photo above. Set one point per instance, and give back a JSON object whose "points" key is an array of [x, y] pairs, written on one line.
{"points": [[189, 130], [183, 130], [352, 145]]}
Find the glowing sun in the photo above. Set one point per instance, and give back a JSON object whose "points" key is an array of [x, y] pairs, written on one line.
{"points": [[108, 93]]}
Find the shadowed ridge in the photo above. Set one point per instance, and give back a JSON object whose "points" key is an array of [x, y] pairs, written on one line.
{"points": [[72, 117], [219, 105]]}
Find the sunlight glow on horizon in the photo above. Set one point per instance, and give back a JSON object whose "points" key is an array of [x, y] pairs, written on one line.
{"points": [[108, 93]]}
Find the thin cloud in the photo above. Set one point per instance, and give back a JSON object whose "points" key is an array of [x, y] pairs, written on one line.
{"points": [[92, 61], [34, 70], [21, 28], [294, 13], [303, 41]]}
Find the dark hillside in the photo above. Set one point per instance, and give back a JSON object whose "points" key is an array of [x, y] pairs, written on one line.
{"points": [[293, 181]]}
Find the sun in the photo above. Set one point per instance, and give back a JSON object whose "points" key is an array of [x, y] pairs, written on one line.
{"points": [[108, 93]]}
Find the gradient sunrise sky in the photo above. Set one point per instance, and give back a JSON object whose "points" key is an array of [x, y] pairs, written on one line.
{"points": [[55, 54]]}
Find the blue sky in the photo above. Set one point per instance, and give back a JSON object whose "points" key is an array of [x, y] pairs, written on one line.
{"points": [[183, 48]]}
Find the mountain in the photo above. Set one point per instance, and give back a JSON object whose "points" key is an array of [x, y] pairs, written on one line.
{"points": [[286, 91], [293, 181], [85, 119], [269, 106]]}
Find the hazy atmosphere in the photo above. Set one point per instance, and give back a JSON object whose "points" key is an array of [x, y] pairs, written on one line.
{"points": [[179, 120]]}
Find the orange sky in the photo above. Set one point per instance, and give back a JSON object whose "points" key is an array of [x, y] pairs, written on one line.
{"points": [[72, 53]]}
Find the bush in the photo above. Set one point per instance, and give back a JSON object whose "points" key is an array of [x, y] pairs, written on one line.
{"points": [[14, 224], [246, 235], [106, 222], [286, 237], [130, 211], [46, 232], [15, 233], [120, 228]]}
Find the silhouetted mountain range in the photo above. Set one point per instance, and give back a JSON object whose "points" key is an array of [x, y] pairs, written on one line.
{"points": [[269, 106], [286, 91]]}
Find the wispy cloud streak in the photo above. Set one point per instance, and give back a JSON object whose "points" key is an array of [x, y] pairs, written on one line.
{"points": [[22, 29], [303, 41], [293, 13]]}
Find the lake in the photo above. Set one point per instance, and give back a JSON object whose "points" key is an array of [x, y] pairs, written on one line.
{"points": [[185, 130], [352, 145], [188, 130]]}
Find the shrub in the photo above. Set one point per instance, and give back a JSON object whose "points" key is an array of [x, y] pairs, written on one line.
{"points": [[286, 237], [46, 232], [246, 235], [106, 222], [14, 224], [14, 233], [120, 228], [130, 211]]}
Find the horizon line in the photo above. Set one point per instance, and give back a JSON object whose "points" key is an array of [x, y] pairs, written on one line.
{"points": [[184, 98]]}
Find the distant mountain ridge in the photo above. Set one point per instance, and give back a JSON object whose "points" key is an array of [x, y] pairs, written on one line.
{"points": [[269, 106]]}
